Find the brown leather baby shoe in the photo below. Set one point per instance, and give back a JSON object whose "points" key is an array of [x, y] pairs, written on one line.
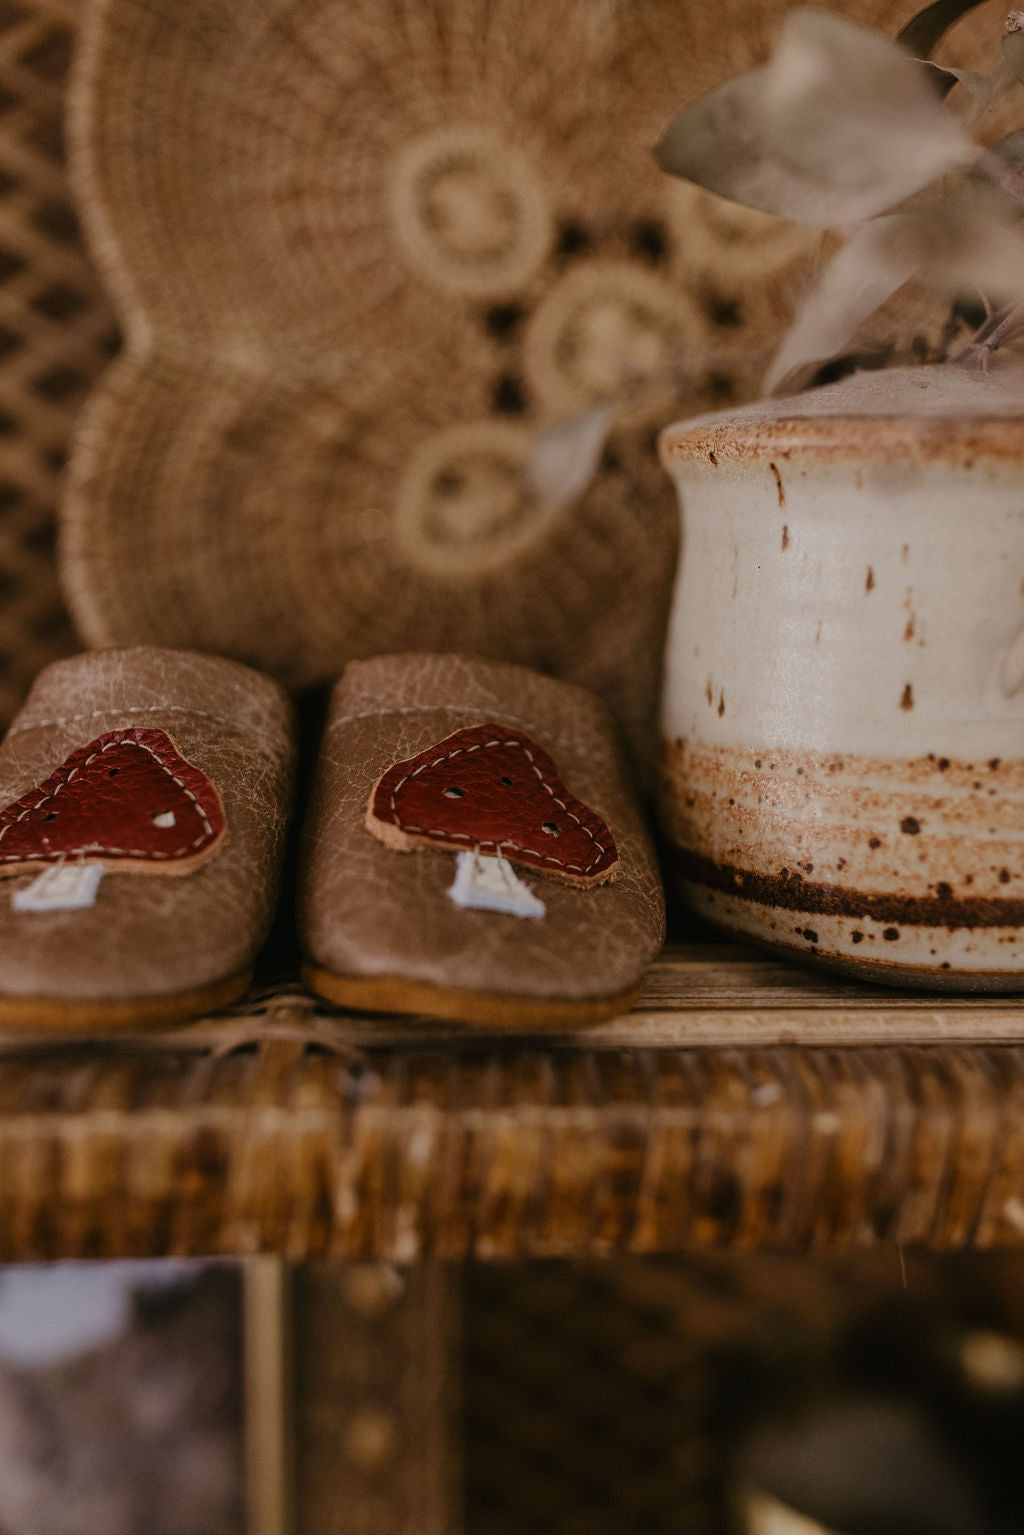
{"points": [[144, 797], [474, 849]]}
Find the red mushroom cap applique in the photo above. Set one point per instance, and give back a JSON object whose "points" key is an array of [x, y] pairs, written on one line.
{"points": [[493, 789], [128, 800]]}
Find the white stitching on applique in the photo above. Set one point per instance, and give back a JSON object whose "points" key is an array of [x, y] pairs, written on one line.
{"points": [[461, 836], [96, 847], [511, 720]]}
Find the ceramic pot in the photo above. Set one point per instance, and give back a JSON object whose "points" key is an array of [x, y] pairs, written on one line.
{"points": [[843, 719]]}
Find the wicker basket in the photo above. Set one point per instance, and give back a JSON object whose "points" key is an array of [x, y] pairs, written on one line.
{"points": [[56, 334], [364, 255]]}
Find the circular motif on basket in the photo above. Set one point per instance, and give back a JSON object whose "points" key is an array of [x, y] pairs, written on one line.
{"points": [[607, 326], [463, 508], [470, 211], [729, 243]]}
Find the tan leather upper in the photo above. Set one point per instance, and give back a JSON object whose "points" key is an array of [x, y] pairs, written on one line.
{"points": [[367, 910], [150, 935]]}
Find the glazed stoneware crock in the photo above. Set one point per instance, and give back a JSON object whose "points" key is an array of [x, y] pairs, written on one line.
{"points": [[843, 723]]}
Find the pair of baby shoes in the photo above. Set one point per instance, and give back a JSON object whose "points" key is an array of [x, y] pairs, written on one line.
{"points": [[472, 848]]}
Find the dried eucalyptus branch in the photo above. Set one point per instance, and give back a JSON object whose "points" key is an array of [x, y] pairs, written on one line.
{"points": [[843, 128], [840, 128], [992, 164], [997, 330]]}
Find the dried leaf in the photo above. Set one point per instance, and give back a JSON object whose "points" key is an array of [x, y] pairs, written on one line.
{"points": [[958, 245], [1011, 149], [978, 86], [564, 461], [839, 125], [965, 246], [853, 285], [1001, 171], [849, 107], [721, 143]]}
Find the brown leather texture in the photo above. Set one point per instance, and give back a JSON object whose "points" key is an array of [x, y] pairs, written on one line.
{"points": [[369, 910], [155, 936]]}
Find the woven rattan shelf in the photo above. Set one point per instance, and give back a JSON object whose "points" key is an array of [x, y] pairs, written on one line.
{"points": [[744, 1104]]}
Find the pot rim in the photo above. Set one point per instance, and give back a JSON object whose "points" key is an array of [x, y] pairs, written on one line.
{"points": [[936, 413], [831, 439]]}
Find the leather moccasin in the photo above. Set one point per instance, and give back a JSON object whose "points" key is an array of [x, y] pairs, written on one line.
{"points": [[474, 849], [144, 798]]}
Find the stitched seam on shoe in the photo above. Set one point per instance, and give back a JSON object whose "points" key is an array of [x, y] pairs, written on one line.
{"points": [[92, 714], [372, 714], [462, 836]]}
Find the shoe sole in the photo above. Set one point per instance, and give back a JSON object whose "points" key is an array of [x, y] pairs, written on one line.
{"points": [[491, 1010], [61, 1016]]}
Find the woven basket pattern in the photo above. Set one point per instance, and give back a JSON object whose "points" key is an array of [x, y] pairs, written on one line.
{"points": [[589, 1400], [281, 1129], [364, 254], [56, 333], [610, 1397]]}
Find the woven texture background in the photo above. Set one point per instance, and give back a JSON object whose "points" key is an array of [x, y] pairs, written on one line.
{"points": [[56, 333], [621, 1396], [364, 255]]}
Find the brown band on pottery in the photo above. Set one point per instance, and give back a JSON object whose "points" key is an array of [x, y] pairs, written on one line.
{"points": [[791, 892], [922, 830]]}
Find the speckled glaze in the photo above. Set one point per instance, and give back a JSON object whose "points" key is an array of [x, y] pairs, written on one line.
{"points": [[843, 722]]}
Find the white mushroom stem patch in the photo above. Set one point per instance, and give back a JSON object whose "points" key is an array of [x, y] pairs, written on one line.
{"points": [[491, 884]]}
